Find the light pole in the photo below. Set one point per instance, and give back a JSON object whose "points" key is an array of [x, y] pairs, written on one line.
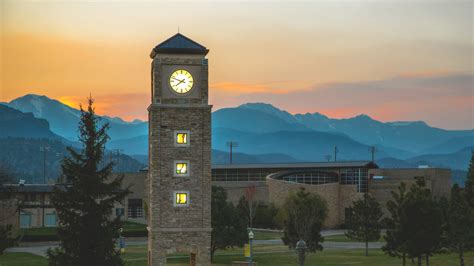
{"points": [[301, 249], [250, 240], [122, 242], [372, 150], [44, 149]]}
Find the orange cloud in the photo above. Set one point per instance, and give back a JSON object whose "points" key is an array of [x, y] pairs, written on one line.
{"points": [[427, 73], [280, 87], [126, 106]]}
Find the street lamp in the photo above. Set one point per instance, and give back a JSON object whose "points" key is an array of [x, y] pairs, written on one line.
{"points": [[250, 240], [301, 249], [121, 242]]}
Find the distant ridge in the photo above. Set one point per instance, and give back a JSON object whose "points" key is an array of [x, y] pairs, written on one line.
{"points": [[262, 128], [64, 119]]}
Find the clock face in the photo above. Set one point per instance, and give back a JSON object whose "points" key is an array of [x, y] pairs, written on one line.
{"points": [[181, 81]]}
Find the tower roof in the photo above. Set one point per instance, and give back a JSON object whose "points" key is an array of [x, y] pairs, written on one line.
{"points": [[179, 44]]}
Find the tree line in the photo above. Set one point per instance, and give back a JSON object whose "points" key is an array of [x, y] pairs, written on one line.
{"points": [[417, 224]]}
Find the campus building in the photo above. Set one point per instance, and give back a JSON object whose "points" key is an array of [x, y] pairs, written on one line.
{"points": [[338, 183]]}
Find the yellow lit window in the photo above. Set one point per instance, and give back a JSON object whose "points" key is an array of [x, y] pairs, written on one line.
{"points": [[181, 168], [181, 138], [181, 198]]}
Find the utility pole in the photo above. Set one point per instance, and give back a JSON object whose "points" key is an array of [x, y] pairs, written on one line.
{"points": [[336, 150], [231, 144], [44, 149], [373, 150]]}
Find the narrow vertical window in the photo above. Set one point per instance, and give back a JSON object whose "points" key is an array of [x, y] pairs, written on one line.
{"points": [[181, 138], [181, 198], [181, 168]]}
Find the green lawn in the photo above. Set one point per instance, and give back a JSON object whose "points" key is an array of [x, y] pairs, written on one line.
{"points": [[265, 235], [264, 255], [49, 233], [344, 238], [133, 227], [22, 259]]}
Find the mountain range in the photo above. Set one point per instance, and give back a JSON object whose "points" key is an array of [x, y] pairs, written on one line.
{"points": [[64, 119], [264, 134]]}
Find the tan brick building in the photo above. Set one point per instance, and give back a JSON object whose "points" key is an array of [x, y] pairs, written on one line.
{"points": [[339, 188]]}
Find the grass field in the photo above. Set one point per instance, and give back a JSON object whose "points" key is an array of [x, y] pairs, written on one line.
{"points": [[22, 259], [264, 235], [49, 233], [344, 238], [264, 255]]}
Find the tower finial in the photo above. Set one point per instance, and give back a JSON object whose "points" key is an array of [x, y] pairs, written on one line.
{"points": [[178, 29]]}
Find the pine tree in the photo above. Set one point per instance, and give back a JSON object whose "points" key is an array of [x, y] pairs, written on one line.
{"points": [[396, 235], [84, 203], [459, 224], [422, 220], [469, 184], [364, 224], [228, 227]]}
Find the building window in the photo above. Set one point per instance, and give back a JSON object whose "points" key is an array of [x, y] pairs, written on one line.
{"points": [[181, 168], [135, 208], [181, 138], [181, 198], [25, 220], [50, 219], [119, 212]]}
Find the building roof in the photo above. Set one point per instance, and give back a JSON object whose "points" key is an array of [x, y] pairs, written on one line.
{"points": [[179, 44], [36, 188], [340, 164]]}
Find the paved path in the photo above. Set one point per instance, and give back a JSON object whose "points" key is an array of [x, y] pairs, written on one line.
{"points": [[40, 248]]}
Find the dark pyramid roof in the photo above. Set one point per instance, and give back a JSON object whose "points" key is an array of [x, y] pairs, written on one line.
{"points": [[179, 44]]}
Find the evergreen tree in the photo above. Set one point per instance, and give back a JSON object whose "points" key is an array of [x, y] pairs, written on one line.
{"points": [[364, 224], [8, 206], [469, 184], [396, 235], [84, 203], [422, 220], [459, 223], [302, 216], [228, 227]]}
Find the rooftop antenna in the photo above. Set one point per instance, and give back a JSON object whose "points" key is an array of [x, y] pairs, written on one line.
{"points": [[178, 29]]}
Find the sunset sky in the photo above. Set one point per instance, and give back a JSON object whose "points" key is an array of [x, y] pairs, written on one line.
{"points": [[392, 60]]}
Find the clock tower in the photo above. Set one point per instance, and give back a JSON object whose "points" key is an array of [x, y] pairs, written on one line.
{"points": [[179, 167]]}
